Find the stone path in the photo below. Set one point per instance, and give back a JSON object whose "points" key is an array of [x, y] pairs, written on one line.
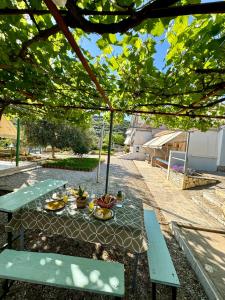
{"points": [[123, 176], [176, 205], [137, 179]]}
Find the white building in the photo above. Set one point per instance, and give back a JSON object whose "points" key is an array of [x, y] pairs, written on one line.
{"points": [[137, 135], [206, 150]]}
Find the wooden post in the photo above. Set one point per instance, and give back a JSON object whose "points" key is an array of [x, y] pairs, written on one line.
{"points": [[186, 154], [18, 143], [186, 160], [100, 152], [109, 152]]}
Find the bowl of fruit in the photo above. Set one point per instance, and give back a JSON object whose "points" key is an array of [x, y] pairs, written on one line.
{"points": [[106, 201]]}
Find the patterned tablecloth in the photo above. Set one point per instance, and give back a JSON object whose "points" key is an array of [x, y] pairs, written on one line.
{"points": [[125, 230]]}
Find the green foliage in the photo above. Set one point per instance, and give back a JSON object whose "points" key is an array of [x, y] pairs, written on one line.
{"points": [[80, 192], [118, 139], [72, 163], [45, 75], [44, 133]]}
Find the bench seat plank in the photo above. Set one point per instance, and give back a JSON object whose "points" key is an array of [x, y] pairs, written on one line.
{"points": [[160, 263], [63, 271], [13, 201]]}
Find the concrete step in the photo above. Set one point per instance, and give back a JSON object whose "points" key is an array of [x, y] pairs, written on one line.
{"points": [[12, 171], [213, 210], [213, 198]]}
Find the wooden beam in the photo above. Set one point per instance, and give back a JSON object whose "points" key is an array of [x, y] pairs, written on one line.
{"points": [[127, 111], [59, 20]]}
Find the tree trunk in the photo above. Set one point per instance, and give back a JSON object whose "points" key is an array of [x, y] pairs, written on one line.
{"points": [[53, 152], [2, 108]]}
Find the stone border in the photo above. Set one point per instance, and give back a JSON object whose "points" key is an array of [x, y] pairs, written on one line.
{"points": [[202, 275], [12, 171], [185, 182]]}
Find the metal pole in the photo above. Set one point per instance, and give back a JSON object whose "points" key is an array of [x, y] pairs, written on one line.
{"points": [[109, 151], [100, 152], [18, 143], [186, 154]]}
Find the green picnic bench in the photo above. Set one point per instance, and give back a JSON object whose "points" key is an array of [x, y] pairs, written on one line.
{"points": [[14, 201], [63, 271], [161, 267]]}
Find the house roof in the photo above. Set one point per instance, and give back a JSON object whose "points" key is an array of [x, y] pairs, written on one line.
{"points": [[7, 129], [163, 132], [159, 141]]}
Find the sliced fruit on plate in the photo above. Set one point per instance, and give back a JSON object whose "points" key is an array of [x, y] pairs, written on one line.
{"points": [[55, 205], [103, 213]]}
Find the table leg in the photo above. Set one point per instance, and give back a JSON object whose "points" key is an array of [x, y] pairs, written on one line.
{"points": [[153, 291], [5, 287], [21, 239], [174, 293], [136, 258], [9, 234]]}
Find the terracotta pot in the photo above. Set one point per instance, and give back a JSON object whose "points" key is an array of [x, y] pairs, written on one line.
{"points": [[81, 202]]}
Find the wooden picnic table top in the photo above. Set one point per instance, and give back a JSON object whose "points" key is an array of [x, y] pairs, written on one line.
{"points": [[12, 202], [125, 229]]}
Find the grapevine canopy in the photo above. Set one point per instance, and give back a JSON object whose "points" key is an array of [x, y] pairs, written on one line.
{"points": [[41, 76]]}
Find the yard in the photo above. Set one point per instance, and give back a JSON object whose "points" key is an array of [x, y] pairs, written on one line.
{"points": [[124, 176], [73, 74]]}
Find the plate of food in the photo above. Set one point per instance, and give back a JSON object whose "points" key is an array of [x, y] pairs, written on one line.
{"points": [[55, 205], [60, 197], [103, 214], [106, 201]]}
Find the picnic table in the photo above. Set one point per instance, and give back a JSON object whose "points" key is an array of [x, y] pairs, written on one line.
{"points": [[12, 202], [125, 230]]}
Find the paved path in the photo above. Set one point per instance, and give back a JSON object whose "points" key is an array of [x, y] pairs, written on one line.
{"points": [[175, 204], [123, 176], [137, 179]]}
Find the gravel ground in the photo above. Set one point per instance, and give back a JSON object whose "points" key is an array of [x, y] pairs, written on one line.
{"points": [[124, 176]]}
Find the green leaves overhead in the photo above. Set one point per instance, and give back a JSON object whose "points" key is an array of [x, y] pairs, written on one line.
{"points": [[40, 75]]}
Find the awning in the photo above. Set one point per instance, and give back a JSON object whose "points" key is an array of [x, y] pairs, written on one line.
{"points": [[7, 129], [158, 142]]}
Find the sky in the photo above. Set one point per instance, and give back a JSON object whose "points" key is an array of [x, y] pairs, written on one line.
{"points": [[161, 48]]}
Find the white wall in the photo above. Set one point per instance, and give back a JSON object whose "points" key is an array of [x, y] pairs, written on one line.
{"points": [[142, 136], [136, 152], [203, 150], [221, 147]]}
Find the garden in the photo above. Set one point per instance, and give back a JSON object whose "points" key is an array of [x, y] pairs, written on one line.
{"points": [[72, 72]]}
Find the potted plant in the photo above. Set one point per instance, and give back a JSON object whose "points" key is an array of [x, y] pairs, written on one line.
{"points": [[82, 198]]}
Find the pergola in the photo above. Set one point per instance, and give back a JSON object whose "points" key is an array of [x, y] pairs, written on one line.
{"points": [[74, 16]]}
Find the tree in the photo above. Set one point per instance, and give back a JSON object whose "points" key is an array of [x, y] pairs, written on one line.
{"points": [[118, 139], [61, 136], [40, 78]]}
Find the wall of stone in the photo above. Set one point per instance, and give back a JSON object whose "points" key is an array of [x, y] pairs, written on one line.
{"points": [[187, 182], [193, 181]]}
